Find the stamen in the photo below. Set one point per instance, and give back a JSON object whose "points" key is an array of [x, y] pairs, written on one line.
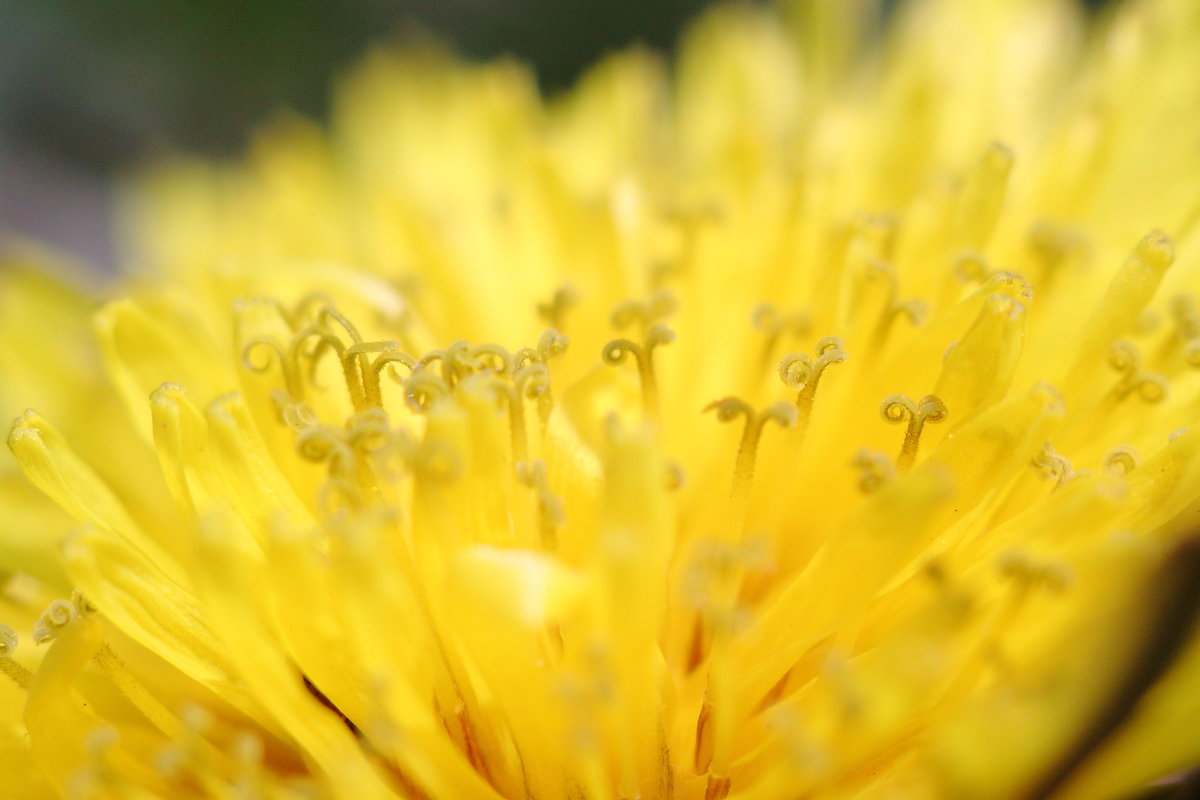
{"points": [[389, 359], [99, 743], [373, 441], [869, 243], [294, 318], [1121, 460], [303, 309], [674, 477], [551, 510], [1052, 465], [729, 409], [955, 596], [437, 461], [1187, 327], [615, 352], [1009, 284], [914, 309], [551, 344], [875, 469], [83, 603], [887, 305], [531, 381], [298, 416], [1054, 249], [846, 691], [553, 312], [322, 444], [288, 363], [661, 304], [196, 718], [1030, 573], [328, 313], [423, 389], [971, 268], [247, 750], [773, 325], [16, 672], [353, 361], [191, 758], [1147, 322], [799, 371], [369, 431], [492, 357], [456, 362], [898, 408], [170, 762], [1126, 359], [356, 360], [20, 589], [690, 220], [354, 456], [336, 494], [1025, 575], [58, 615]]}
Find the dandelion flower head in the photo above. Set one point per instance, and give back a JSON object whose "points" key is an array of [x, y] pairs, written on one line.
{"points": [[813, 415]]}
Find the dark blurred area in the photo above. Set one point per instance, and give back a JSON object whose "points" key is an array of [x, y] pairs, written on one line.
{"points": [[88, 87], [98, 81]]}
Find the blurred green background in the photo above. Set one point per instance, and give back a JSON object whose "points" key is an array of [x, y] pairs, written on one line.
{"points": [[88, 87], [98, 81]]}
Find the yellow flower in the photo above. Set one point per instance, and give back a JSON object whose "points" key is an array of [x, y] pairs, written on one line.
{"points": [[396, 468]]}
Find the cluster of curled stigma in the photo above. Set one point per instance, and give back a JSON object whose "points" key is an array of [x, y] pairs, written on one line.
{"points": [[368, 449]]}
